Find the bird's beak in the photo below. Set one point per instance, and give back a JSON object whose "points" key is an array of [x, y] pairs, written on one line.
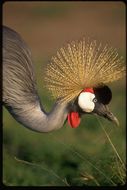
{"points": [[103, 111]]}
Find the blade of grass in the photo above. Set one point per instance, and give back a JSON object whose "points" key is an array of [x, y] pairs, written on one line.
{"points": [[121, 167], [43, 168], [88, 176], [109, 139]]}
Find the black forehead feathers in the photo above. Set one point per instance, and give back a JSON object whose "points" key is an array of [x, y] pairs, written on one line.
{"points": [[103, 94]]}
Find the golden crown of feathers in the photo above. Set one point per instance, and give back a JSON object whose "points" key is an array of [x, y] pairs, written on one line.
{"points": [[79, 65]]}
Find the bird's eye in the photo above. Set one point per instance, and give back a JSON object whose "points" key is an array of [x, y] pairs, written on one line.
{"points": [[94, 100]]}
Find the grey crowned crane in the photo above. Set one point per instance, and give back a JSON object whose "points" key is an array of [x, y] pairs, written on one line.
{"points": [[77, 78]]}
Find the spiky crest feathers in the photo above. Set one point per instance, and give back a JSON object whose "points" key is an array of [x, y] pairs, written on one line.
{"points": [[79, 65]]}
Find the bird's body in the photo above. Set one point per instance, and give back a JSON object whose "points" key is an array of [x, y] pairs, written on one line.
{"points": [[77, 71]]}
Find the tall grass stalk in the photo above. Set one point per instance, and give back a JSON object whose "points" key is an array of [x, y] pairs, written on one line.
{"points": [[109, 139], [43, 168], [120, 165]]}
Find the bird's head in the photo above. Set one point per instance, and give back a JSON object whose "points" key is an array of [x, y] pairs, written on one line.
{"points": [[78, 76], [91, 101]]}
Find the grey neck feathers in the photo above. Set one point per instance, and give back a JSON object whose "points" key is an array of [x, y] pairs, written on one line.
{"points": [[36, 119]]}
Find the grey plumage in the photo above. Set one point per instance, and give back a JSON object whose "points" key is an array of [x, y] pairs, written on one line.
{"points": [[19, 87]]}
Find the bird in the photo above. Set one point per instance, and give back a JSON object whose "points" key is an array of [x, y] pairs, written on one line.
{"points": [[76, 78]]}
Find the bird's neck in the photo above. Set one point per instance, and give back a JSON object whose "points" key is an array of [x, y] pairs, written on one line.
{"points": [[35, 118]]}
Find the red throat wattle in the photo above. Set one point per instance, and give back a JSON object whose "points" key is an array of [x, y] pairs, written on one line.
{"points": [[73, 117]]}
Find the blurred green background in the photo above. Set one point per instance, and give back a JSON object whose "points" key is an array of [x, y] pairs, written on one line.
{"points": [[81, 156]]}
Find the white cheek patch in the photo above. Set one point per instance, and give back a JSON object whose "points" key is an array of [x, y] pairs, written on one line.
{"points": [[85, 101]]}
